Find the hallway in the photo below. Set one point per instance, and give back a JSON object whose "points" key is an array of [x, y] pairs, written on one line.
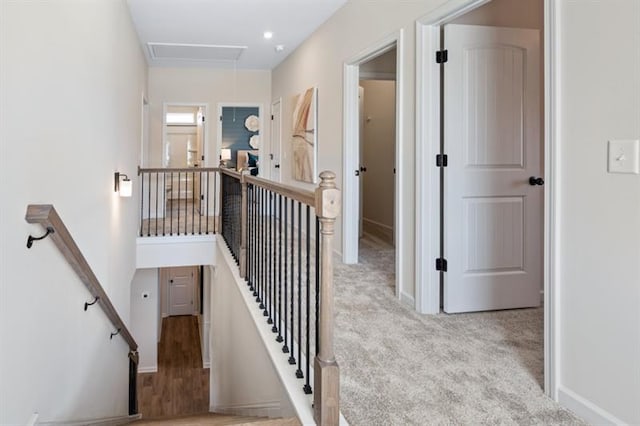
{"points": [[181, 385], [402, 368]]}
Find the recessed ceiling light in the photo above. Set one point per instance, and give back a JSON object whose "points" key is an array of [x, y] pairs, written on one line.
{"points": [[268, 35], [279, 48]]}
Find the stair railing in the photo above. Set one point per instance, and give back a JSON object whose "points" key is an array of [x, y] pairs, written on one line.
{"points": [[46, 215], [177, 201], [284, 252]]}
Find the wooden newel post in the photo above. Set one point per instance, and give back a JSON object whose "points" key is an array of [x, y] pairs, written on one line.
{"points": [[243, 228], [326, 400]]}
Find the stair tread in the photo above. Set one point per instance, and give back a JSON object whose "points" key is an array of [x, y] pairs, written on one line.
{"points": [[216, 419]]}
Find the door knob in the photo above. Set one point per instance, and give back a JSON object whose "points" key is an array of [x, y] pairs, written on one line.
{"points": [[357, 172], [171, 281], [533, 181], [363, 169], [277, 166]]}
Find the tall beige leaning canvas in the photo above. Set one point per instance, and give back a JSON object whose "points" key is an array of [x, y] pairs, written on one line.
{"points": [[304, 140]]}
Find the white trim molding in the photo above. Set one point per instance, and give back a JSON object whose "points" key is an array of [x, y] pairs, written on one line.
{"points": [[351, 154], [427, 219], [586, 409]]}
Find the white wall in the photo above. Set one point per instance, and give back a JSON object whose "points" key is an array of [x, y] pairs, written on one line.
{"points": [[243, 378], [184, 250], [319, 61], [378, 151], [145, 317], [506, 13], [72, 78], [599, 213], [201, 85]]}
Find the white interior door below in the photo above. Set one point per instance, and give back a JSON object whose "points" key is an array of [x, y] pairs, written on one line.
{"points": [[493, 217], [181, 290]]}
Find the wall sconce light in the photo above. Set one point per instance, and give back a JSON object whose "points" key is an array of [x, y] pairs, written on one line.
{"points": [[124, 186], [225, 155]]}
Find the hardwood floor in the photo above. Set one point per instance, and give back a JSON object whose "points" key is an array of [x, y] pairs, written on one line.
{"points": [[181, 385]]}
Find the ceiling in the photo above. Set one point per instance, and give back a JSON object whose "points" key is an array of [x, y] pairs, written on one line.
{"points": [[225, 33]]}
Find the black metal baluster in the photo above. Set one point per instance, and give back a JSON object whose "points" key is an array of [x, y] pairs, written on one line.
{"points": [[207, 201], [164, 201], [186, 208], [142, 204], [267, 310], [283, 225], [272, 259], [262, 250], [193, 200], [249, 234], [178, 224], [307, 386], [299, 370], [256, 246], [279, 338], [274, 288], [148, 208], [292, 359], [157, 203], [200, 203], [171, 207], [317, 285]]}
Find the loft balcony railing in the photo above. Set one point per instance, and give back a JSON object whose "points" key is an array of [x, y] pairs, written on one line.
{"points": [[281, 238], [177, 201]]}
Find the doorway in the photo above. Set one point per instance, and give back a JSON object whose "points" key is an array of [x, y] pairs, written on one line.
{"points": [[241, 131], [377, 113], [276, 141], [379, 66], [494, 208], [184, 147]]}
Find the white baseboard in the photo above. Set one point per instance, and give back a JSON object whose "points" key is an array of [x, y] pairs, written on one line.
{"points": [[206, 364], [108, 421], [586, 409], [408, 300], [270, 409], [151, 369], [378, 230]]}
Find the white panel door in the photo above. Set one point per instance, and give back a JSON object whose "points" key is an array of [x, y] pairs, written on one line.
{"points": [[493, 216], [181, 290], [276, 140]]}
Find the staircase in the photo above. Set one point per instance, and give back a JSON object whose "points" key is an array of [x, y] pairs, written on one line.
{"points": [[212, 419]]}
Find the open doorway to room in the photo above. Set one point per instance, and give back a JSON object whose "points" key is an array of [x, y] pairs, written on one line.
{"points": [[373, 163], [240, 136], [184, 151], [377, 114], [482, 205]]}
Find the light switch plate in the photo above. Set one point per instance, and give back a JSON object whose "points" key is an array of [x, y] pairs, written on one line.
{"points": [[624, 156]]}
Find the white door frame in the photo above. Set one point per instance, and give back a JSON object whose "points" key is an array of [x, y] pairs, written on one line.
{"points": [[350, 195], [428, 182], [263, 130], [205, 143], [277, 102]]}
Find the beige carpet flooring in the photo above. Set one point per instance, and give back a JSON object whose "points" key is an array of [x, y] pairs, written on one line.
{"points": [[402, 368]]}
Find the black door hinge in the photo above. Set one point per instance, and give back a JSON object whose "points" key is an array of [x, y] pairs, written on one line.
{"points": [[442, 56], [441, 264], [442, 160], [220, 118], [272, 116], [203, 118], [202, 158]]}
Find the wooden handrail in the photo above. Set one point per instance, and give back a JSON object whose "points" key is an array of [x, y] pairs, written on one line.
{"points": [[46, 215], [301, 195], [176, 169], [230, 172]]}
